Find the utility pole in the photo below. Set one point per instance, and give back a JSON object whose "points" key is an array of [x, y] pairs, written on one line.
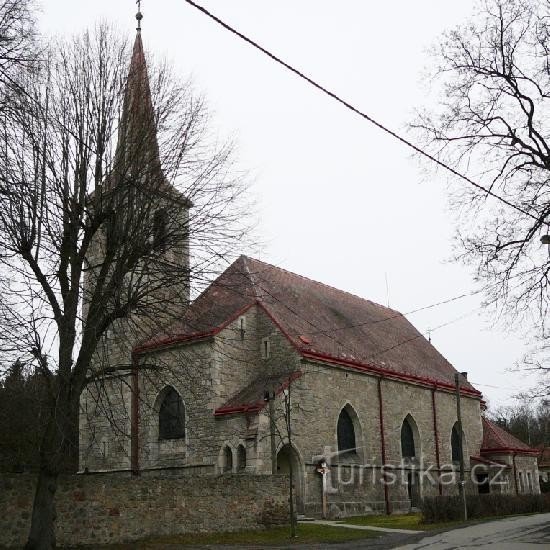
{"points": [[461, 484]]}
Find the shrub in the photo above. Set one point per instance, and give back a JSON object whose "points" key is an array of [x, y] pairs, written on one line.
{"points": [[450, 508]]}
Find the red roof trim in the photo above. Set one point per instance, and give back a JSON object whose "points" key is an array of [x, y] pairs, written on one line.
{"points": [[280, 327], [388, 373], [258, 405], [362, 366], [491, 430], [174, 340], [508, 450]]}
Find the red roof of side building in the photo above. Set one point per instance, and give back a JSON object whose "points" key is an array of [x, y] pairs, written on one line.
{"points": [[497, 440], [321, 322]]}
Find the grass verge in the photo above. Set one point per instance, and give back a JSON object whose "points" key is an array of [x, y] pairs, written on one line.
{"points": [[307, 534]]}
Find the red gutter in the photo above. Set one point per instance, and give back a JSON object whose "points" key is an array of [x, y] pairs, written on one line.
{"points": [[258, 405], [134, 420], [387, 373], [253, 407], [436, 438], [383, 446], [514, 450]]}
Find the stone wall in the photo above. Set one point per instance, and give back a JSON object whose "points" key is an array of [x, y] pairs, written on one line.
{"points": [[108, 508]]}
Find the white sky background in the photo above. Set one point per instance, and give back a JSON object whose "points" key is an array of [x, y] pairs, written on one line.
{"points": [[339, 201]]}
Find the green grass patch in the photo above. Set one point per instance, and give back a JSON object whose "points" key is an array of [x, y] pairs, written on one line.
{"points": [[307, 534]]}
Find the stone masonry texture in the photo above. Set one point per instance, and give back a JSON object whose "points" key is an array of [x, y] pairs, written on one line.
{"points": [[207, 374], [109, 508]]}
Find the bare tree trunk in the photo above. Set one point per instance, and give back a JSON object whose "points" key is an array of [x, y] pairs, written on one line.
{"points": [[54, 448], [42, 532], [288, 419], [291, 500]]}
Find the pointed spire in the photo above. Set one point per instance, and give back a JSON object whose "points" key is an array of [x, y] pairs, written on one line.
{"points": [[137, 154]]}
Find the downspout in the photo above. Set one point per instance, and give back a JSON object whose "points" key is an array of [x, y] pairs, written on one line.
{"points": [[134, 419], [436, 439], [383, 446], [515, 473]]}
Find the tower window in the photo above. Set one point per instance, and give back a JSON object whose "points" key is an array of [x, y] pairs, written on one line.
{"points": [[266, 348], [172, 416], [160, 228]]}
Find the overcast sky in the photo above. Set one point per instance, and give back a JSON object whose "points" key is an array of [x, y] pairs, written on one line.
{"points": [[338, 201]]}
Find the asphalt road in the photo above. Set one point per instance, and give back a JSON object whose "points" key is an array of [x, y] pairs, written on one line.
{"points": [[519, 533]]}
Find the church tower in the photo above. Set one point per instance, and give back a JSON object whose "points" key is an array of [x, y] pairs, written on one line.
{"points": [[148, 209], [147, 218]]}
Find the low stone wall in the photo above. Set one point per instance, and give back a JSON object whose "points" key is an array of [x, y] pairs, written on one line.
{"points": [[107, 508]]}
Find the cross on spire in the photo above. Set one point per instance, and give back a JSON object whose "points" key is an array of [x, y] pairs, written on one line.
{"points": [[139, 15]]}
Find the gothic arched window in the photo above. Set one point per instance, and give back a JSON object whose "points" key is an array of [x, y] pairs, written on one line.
{"points": [[455, 444], [346, 432], [227, 459], [407, 440], [171, 416], [241, 458]]}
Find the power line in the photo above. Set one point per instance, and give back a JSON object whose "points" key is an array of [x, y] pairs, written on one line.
{"points": [[357, 111], [398, 314], [494, 387], [421, 335], [345, 345]]}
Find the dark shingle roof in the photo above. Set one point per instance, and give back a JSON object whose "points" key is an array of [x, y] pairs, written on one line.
{"points": [[320, 321], [497, 439], [252, 397]]}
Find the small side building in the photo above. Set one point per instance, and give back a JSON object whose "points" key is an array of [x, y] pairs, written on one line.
{"points": [[505, 463], [544, 468]]}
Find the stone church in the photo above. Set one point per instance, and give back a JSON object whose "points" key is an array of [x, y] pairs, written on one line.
{"points": [[270, 372]]}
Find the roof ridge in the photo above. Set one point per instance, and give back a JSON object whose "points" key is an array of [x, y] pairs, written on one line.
{"points": [[320, 283], [245, 260]]}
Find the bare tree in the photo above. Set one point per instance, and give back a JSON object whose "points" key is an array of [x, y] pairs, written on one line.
{"points": [[284, 411], [18, 49], [493, 87], [528, 422], [98, 171]]}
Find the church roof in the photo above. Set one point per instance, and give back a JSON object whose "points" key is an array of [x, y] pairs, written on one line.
{"points": [[497, 440], [321, 322], [252, 397]]}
